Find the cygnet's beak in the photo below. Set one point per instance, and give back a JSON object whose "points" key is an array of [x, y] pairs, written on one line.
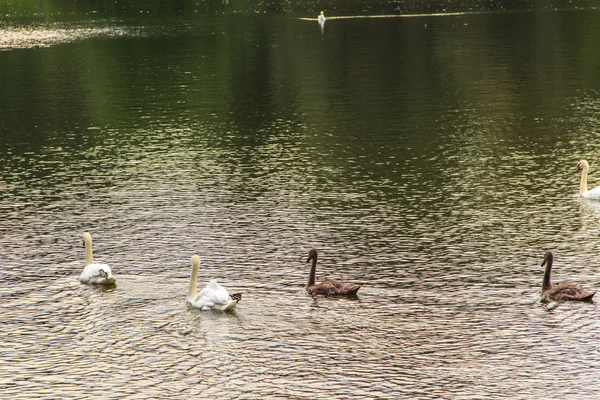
{"points": [[578, 167]]}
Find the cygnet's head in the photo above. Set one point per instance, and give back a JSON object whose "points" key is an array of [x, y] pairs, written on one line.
{"points": [[548, 257], [312, 255]]}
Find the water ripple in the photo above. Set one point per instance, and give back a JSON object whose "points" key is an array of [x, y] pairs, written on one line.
{"points": [[46, 35]]}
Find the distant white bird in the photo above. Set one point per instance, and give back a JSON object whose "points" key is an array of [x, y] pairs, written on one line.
{"points": [[94, 273], [213, 296], [321, 18], [584, 167]]}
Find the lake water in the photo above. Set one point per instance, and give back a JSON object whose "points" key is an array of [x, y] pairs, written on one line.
{"points": [[430, 159]]}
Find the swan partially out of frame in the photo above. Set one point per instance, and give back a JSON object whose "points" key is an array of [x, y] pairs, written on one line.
{"points": [[213, 296], [584, 167], [99, 274]]}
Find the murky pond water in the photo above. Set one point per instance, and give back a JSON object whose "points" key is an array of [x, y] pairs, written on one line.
{"points": [[430, 160]]}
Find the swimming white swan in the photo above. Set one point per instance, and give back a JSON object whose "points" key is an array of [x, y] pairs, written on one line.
{"points": [[94, 273], [584, 167], [321, 18], [213, 296]]}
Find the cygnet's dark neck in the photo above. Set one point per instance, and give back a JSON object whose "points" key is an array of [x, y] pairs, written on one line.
{"points": [[313, 272], [547, 284]]}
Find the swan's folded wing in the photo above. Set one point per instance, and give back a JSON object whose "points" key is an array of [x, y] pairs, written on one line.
{"points": [[341, 287], [210, 297], [569, 291], [92, 271], [223, 295], [593, 193], [332, 288]]}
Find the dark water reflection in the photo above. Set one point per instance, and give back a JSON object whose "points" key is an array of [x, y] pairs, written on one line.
{"points": [[433, 165]]}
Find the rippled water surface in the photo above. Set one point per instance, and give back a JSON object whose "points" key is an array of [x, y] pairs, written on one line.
{"points": [[429, 159]]}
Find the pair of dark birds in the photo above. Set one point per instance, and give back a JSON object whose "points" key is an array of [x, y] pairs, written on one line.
{"points": [[563, 291]]}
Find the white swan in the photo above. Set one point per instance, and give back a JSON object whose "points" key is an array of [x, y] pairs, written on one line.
{"points": [[94, 273], [584, 167], [213, 297], [321, 18]]}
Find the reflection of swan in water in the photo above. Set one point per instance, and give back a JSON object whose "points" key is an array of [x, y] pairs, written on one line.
{"points": [[328, 286], [94, 273], [213, 296], [563, 291], [584, 167], [321, 20]]}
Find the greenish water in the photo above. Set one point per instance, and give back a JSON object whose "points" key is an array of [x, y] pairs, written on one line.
{"points": [[430, 159]]}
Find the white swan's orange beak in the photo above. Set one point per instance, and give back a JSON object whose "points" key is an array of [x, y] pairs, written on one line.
{"points": [[578, 167]]}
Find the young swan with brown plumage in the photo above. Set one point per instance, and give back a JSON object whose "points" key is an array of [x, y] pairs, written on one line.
{"points": [[328, 286], [563, 291]]}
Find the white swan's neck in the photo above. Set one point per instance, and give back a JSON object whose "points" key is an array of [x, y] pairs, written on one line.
{"points": [[89, 256], [583, 182], [194, 278]]}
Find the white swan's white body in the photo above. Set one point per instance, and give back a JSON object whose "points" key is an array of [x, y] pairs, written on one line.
{"points": [[321, 19], [584, 167], [212, 297], [99, 274]]}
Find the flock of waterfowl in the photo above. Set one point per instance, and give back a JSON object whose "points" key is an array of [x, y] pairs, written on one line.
{"points": [[216, 297], [213, 296]]}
